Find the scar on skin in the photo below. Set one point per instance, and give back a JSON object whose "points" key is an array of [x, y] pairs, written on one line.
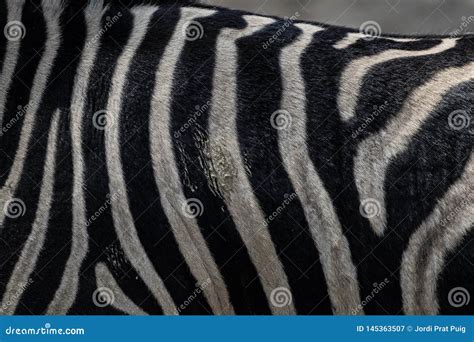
{"points": [[216, 163], [218, 166], [222, 169], [116, 259]]}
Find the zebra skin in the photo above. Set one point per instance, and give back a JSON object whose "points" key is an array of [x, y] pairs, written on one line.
{"points": [[176, 158]]}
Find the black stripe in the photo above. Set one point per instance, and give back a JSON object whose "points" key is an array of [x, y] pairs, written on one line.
{"points": [[260, 94], [332, 149], [15, 231], [3, 22], [411, 200], [103, 241], [388, 85], [192, 94], [150, 220], [454, 275], [18, 97], [53, 257], [421, 176], [322, 67]]}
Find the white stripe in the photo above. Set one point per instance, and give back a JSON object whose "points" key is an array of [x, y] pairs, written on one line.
{"points": [[333, 247], [32, 247], [123, 219], [352, 37], [353, 75], [52, 11], [67, 291], [15, 9], [186, 230], [376, 152], [119, 300], [438, 235], [238, 193]]}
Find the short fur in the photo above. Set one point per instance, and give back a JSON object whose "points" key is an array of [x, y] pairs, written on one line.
{"points": [[168, 157]]}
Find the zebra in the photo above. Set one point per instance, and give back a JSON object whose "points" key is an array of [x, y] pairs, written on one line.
{"points": [[177, 158]]}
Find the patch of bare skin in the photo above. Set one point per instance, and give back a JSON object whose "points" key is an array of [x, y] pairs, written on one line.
{"points": [[217, 164], [116, 259]]}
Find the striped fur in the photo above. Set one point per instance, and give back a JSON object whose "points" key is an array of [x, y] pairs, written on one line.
{"points": [[182, 159]]}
